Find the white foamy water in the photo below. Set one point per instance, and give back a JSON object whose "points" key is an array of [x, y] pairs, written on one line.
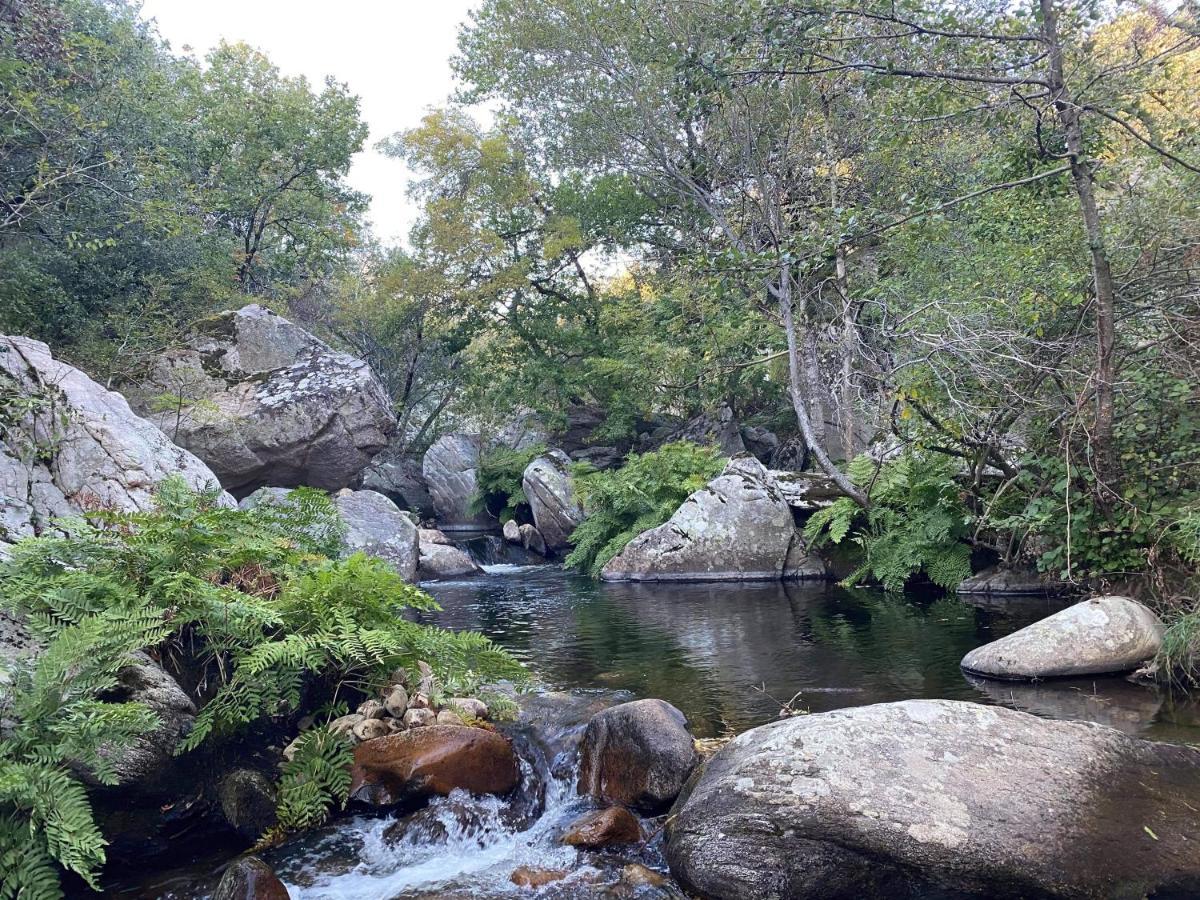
{"points": [[509, 568]]}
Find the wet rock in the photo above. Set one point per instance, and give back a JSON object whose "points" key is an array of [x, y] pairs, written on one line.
{"points": [[145, 760], [444, 561], [1103, 634], [736, 528], [73, 446], [533, 877], [532, 540], [376, 526], [974, 800], [247, 799], [556, 510], [604, 828], [637, 875], [512, 531], [434, 536], [250, 879], [437, 759], [637, 754], [1019, 581], [369, 729], [395, 702], [451, 469], [263, 402]]}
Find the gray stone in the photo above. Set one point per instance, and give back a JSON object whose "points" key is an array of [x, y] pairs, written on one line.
{"points": [[532, 540], [512, 531], [599, 457], [556, 510], [970, 799], [804, 491], [248, 800], [718, 429], [377, 527], [1103, 634], [444, 561], [399, 477], [1004, 580], [800, 563], [69, 445], [636, 754], [263, 402], [737, 528], [451, 469]]}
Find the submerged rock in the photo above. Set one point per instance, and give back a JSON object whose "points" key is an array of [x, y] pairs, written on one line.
{"points": [[636, 754], [250, 879], [1103, 634], [376, 526], [737, 528], [556, 510], [72, 446], [451, 470], [434, 760], [263, 402], [604, 828], [976, 800]]}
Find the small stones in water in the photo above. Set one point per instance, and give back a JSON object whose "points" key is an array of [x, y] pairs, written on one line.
{"points": [[396, 701], [418, 718], [533, 877], [604, 828]]}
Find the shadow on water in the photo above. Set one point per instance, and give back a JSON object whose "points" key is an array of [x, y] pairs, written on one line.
{"points": [[729, 654]]}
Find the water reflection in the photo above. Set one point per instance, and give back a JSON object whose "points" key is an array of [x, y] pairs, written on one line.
{"points": [[727, 654]]}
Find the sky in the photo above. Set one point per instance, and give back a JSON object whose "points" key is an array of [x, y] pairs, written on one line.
{"points": [[394, 54]]}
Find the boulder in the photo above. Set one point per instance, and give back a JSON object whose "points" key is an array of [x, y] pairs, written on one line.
{"points": [[736, 528], [547, 486], [420, 717], [718, 429], [399, 478], [439, 560], [1103, 634], [599, 457], [512, 531], [1010, 581], [800, 564], [429, 761], [250, 879], [263, 402], [636, 754], [143, 763], [451, 469], [370, 729], [68, 445], [377, 527], [532, 540], [604, 828], [962, 799], [804, 491], [395, 701], [247, 799], [761, 442]]}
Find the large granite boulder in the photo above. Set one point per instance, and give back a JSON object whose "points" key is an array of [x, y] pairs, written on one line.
{"points": [[1103, 634], [636, 754], [946, 797], [263, 402], [440, 557], [547, 486], [451, 470], [376, 526], [736, 528], [68, 445], [399, 477]]}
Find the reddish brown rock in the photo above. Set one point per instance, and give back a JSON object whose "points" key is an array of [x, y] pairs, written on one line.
{"points": [[532, 877], [424, 762], [250, 879], [603, 828]]}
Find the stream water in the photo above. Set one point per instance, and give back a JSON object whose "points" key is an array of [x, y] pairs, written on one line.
{"points": [[728, 655]]}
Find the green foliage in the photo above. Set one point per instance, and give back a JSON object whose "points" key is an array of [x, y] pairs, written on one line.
{"points": [[499, 482], [917, 521], [253, 601], [315, 779], [643, 494]]}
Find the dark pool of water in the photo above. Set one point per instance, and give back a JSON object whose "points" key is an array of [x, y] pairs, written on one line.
{"points": [[729, 655]]}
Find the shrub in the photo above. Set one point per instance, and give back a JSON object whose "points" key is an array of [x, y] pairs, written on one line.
{"points": [[917, 521], [643, 494], [499, 481], [251, 601]]}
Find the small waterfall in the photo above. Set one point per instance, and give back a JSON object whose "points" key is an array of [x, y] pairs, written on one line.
{"points": [[496, 555]]}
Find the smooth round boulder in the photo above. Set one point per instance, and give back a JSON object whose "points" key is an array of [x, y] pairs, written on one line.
{"points": [[637, 755], [1100, 635], [440, 560], [604, 828], [937, 796], [434, 760], [250, 879]]}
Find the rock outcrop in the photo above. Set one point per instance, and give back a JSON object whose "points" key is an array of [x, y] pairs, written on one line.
{"points": [[440, 558], [547, 486], [377, 527], [263, 402], [958, 797], [1103, 634], [451, 470], [736, 528], [399, 477], [636, 754], [434, 760], [68, 445]]}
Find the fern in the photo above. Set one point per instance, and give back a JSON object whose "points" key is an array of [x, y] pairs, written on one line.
{"points": [[641, 495], [314, 780], [500, 480]]}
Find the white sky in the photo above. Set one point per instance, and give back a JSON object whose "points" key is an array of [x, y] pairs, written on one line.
{"points": [[394, 54]]}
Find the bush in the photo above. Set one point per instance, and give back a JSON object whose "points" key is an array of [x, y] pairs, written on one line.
{"points": [[917, 521], [499, 482], [251, 601], [643, 494]]}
